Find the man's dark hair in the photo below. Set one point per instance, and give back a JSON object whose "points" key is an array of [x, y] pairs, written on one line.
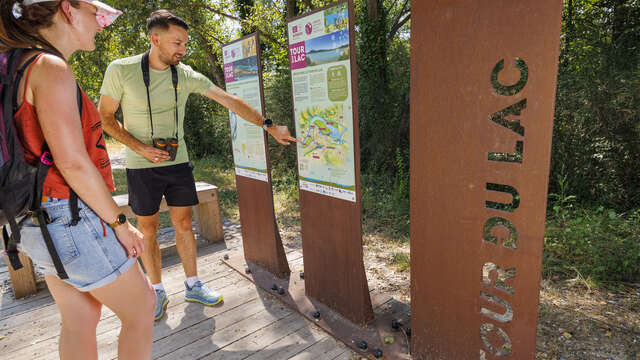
{"points": [[163, 18]]}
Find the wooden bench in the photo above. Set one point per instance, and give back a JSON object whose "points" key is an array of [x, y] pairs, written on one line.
{"points": [[207, 218]]}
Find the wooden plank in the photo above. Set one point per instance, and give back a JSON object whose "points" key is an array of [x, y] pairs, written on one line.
{"points": [[327, 348], [292, 344], [42, 305], [208, 218], [43, 331], [43, 335], [7, 301], [210, 340], [24, 279], [217, 276], [42, 298], [347, 355], [239, 331], [172, 277], [260, 339]]}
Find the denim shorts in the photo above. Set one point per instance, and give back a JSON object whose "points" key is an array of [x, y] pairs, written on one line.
{"points": [[91, 254]]}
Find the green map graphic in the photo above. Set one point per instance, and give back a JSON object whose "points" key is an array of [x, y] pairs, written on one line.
{"points": [[324, 135]]}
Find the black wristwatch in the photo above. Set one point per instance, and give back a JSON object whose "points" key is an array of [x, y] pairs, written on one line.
{"points": [[267, 123], [120, 220]]}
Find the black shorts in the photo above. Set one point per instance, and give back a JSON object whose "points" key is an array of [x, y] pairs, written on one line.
{"points": [[147, 186]]}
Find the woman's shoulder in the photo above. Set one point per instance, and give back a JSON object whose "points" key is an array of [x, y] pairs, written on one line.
{"points": [[50, 67]]}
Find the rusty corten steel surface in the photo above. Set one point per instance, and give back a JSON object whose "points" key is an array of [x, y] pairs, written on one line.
{"points": [[260, 235], [332, 232], [469, 133]]}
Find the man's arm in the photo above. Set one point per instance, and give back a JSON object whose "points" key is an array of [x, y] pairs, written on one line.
{"points": [[107, 108], [245, 111]]}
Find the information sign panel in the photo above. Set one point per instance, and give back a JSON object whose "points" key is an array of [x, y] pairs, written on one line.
{"points": [[319, 54], [241, 73]]}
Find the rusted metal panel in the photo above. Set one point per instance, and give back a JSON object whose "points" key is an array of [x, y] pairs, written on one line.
{"points": [[482, 102], [332, 229], [261, 238]]}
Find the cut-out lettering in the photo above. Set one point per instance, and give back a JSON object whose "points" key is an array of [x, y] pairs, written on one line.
{"points": [[510, 90], [514, 157], [489, 336], [501, 119], [498, 223], [515, 197], [504, 317], [496, 277]]}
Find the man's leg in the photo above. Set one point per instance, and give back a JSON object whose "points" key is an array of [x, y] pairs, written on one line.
{"points": [[185, 239], [146, 187], [181, 196], [151, 257], [195, 290], [152, 260]]}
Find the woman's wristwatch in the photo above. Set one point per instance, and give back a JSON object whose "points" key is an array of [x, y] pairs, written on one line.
{"points": [[120, 220]]}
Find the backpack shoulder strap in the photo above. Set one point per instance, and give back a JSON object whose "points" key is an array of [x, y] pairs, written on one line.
{"points": [[19, 74]]}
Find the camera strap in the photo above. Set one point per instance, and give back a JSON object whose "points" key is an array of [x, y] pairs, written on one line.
{"points": [[174, 80]]}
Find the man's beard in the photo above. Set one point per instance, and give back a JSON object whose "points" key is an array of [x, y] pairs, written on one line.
{"points": [[169, 60]]}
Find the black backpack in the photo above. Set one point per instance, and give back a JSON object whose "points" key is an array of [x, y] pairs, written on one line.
{"points": [[20, 182]]}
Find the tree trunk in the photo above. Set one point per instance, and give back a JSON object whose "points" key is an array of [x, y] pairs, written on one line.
{"points": [[213, 60], [372, 9], [292, 8]]}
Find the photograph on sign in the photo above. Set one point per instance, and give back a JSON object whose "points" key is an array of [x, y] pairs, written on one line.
{"points": [[242, 77], [321, 79]]}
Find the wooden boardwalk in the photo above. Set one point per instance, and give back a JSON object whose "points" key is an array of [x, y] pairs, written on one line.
{"points": [[251, 324]]}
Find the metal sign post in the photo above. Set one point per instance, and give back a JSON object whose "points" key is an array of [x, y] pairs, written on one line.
{"points": [[323, 76], [482, 104]]}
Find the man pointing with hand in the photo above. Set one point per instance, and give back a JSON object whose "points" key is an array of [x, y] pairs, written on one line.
{"points": [[152, 89]]}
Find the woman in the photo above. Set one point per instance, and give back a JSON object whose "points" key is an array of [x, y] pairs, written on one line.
{"points": [[99, 252]]}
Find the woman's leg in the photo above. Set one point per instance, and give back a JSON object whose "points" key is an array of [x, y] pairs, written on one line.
{"points": [[80, 314], [133, 300]]}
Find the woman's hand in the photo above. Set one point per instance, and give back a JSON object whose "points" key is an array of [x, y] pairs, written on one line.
{"points": [[131, 239]]}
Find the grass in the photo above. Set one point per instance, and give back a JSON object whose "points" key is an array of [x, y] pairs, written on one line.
{"points": [[401, 261], [206, 170]]}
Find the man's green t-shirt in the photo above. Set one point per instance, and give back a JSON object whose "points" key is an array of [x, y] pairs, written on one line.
{"points": [[123, 81]]}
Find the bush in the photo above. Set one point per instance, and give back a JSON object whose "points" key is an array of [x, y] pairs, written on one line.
{"points": [[206, 127], [598, 243]]}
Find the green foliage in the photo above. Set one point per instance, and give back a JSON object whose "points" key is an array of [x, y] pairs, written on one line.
{"points": [[211, 169], [206, 127], [279, 108], [597, 122], [597, 243], [385, 202]]}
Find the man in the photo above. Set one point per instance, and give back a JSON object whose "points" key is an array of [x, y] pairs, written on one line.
{"points": [[155, 110]]}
